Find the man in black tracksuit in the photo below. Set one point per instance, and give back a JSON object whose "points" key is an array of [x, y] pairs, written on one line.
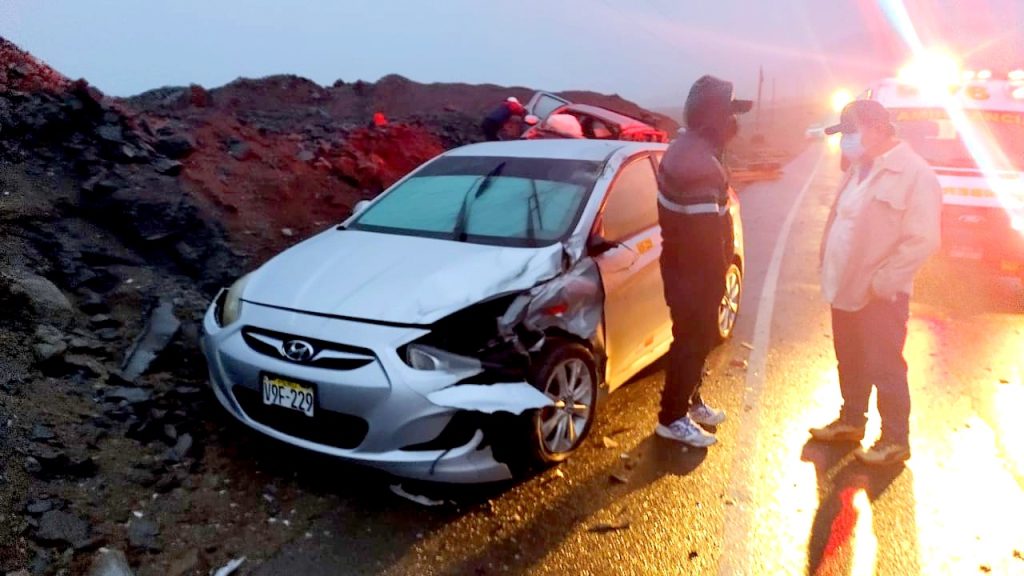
{"points": [[697, 249]]}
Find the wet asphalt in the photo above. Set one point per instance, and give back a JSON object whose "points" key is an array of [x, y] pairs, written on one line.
{"points": [[764, 500]]}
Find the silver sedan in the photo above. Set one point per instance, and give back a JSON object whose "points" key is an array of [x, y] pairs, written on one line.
{"points": [[464, 325]]}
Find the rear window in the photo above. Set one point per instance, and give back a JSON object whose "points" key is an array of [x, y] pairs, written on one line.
{"points": [[526, 202]]}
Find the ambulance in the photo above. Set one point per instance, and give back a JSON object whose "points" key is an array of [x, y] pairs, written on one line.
{"points": [[971, 131]]}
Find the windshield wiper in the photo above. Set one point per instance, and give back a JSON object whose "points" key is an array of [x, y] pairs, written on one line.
{"points": [[533, 204], [462, 219]]}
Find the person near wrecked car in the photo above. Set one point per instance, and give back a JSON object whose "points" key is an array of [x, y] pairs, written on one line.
{"points": [[884, 223], [495, 122], [696, 227]]}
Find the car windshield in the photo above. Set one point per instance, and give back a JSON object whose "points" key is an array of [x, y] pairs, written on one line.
{"points": [[486, 200], [935, 138]]}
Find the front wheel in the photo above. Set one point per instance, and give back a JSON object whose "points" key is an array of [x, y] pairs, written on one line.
{"points": [[566, 374], [729, 307]]}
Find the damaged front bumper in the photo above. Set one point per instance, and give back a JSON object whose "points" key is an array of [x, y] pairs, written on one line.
{"points": [[371, 407]]}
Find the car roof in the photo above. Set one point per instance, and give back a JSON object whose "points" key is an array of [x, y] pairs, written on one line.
{"points": [[557, 148]]}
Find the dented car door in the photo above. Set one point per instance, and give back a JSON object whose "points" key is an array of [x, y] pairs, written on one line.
{"points": [[636, 316]]}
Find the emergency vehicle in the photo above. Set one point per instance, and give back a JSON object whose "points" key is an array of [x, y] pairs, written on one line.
{"points": [[971, 131]]}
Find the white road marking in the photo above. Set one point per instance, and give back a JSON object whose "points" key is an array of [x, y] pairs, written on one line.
{"points": [[737, 541]]}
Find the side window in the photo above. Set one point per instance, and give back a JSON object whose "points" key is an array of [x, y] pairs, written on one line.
{"points": [[632, 204]]}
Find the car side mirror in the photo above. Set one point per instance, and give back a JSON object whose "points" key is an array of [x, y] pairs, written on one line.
{"points": [[360, 206], [531, 120]]}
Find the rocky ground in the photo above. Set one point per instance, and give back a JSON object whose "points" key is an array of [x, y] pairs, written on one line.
{"points": [[119, 220]]}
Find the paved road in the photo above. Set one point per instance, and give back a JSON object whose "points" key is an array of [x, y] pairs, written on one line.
{"points": [[763, 501]]}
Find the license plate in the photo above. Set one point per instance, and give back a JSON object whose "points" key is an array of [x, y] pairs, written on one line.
{"points": [[288, 394]]}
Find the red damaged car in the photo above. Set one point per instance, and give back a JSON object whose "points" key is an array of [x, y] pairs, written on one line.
{"points": [[597, 123]]}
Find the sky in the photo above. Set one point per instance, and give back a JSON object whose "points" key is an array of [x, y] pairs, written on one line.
{"points": [[649, 51]]}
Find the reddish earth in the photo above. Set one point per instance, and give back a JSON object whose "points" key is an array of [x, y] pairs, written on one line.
{"points": [[282, 157], [22, 72]]}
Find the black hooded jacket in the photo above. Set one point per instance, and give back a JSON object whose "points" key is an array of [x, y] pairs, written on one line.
{"points": [[696, 226]]}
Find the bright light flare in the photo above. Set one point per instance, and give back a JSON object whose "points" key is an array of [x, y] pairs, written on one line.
{"points": [[932, 71], [1018, 93], [985, 75], [1016, 76], [840, 98], [832, 142]]}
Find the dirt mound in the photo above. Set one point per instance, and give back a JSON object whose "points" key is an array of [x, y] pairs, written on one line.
{"points": [[22, 72]]}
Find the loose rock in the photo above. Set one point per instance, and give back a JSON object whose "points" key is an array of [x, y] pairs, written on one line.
{"points": [[41, 433], [42, 297], [175, 146], [58, 527], [142, 533], [180, 449], [37, 507], [129, 395], [168, 167], [159, 332], [110, 563]]}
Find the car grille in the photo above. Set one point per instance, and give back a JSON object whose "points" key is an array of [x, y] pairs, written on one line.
{"points": [[324, 427], [330, 355]]}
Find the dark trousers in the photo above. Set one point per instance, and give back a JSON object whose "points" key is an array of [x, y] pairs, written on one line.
{"points": [[693, 338], [869, 348], [491, 129]]}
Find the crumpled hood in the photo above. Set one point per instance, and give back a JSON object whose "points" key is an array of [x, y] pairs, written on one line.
{"points": [[392, 278]]}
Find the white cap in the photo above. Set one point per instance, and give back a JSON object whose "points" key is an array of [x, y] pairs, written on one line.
{"points": [[512, 99]]}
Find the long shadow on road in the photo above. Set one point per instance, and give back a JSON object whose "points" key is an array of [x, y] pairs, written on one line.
{"points": [[852, 532]]}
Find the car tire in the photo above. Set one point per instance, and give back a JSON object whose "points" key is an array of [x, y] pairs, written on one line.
{"points": [[729, 306], [564, 371]]}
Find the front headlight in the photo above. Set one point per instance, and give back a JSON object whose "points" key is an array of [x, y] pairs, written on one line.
{"points": [[232, 307], [422, 357]]}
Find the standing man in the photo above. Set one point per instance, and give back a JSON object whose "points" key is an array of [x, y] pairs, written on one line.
{"points": [[697, 248], [496, 120], [885, 223]]}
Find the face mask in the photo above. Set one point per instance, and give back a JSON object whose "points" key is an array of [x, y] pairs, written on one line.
{"points": [[852, 146]]}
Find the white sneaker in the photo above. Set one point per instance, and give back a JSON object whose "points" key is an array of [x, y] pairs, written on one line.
{"points": [[686, 431], [706, 415]]}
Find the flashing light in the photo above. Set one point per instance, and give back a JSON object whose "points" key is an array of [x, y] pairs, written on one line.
{"points": [[985, 75], [932, 70], [1016, 75], [1018, 93], [840, 98], [968, 75]]}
